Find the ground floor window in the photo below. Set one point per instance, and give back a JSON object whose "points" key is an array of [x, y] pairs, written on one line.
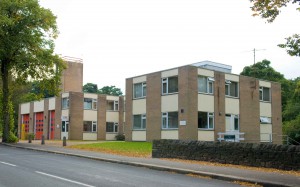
{"points": [[205, 120], [169, 120], [90, 126], [139, 122], [112, 127]]}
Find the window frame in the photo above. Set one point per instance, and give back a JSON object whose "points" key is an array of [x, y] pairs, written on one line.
{"points": [[228, 84], [115, 125], [142, 120], [165, 117], [115, 105], [165, 83], [93, 104], [63, 106], [261, 94], [209, 81], [143, 90], [93, 127], [209, 117]]}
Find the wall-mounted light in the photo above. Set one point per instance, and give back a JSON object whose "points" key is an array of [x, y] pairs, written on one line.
{"points": [[220, 113], [182, 110]]}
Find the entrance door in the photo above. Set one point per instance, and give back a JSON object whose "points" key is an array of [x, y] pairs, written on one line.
{"points": [[65, 129], [51, 124], [39, 123], [232, 123]]}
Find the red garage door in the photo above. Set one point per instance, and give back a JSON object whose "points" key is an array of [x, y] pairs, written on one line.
{"points": [[51, 127], [25, 121], [39, 123]]}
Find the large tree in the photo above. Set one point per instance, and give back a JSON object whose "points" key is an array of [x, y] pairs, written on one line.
{"points": [[27, 33], [270, 9], [90, 88], [110, 90]]}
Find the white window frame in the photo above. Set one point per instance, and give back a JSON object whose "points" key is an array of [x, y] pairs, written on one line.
{"points": [[209, 82], [93, 127], [228, 83], [143, 91], [93, 104], [265, 120], [67, 100], [165, 117], [165, 81], [143, 117], [115, 105], [261, 94], [209, 116], [114, 127]]}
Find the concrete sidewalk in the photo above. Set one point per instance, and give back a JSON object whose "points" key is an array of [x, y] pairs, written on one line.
{"points": [[215, 172]]}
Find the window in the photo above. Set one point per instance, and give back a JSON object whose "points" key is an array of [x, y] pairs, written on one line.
{"points": [[206, 84], [264, 94], [205, 120], [264, 120], [90, 104], [140, 90], [112, 127], [139, 122], [112, 105], [90, 126], [170, 120], [231, 88], [65, 103], [169, 85]]}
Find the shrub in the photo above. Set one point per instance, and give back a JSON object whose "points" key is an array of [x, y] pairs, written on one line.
{"points": [[31, 135], [120, 137], [12, 138]]}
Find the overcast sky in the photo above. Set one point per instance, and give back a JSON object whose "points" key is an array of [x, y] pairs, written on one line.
{"points": [[118, 39]]}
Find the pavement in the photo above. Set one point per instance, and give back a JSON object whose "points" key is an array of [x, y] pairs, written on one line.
{"points": [[228, 173]]}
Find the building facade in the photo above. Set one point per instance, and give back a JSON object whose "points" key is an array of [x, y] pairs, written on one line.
{"points": [[74, 115], [194, 103]]}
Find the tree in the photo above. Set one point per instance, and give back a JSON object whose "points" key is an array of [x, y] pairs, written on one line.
{"points": [[90, 88], [270, 9], [27, 33], [110, 90]]}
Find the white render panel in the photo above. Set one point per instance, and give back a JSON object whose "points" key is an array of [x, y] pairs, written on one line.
{"points": [[111, 136], [38, 106], [139, 106], [265, 84], [232, 106], [206, 135], [265, 132], [112, 98], [169, 103], [112, 116], [52, 103], [206, 103], [139, 79], [232, 77], [89, 115], [138, 135], [173, 134], [25, 108], [65, 112], [265, 109], [169, 73], [89, 95], [89, 136], [205, 72], [64, 95]]}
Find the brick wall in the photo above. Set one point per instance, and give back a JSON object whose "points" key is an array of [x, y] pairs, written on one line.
{"points": [[285, 157]]}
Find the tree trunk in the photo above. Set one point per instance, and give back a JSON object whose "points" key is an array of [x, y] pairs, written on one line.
{"points": [[5, 99]]}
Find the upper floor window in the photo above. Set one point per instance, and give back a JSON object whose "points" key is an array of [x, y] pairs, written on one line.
{"points": [[205, 120], [170, 120], [90, 104], [112, 127], [264, 94], [231, 88], [90, 126], [206, 84], [139, 90], [65, 103], [139, 122], [112, 105], [169, 85]]}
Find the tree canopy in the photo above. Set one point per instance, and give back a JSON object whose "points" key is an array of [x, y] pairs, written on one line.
{"points": [[108, 90], [90, 88], [27, 33], [269, 10]]}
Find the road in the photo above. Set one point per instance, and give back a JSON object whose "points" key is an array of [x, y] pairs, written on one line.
{"points": [[20, 167]]}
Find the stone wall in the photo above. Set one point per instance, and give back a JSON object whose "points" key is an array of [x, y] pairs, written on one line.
{"points": [[285, 157]]}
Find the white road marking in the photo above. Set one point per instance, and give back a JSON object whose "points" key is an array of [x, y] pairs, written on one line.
{"points": [[64, 179], [8, 164]]}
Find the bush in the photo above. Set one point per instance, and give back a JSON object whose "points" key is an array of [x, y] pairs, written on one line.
{"points": [[120, 137], [12, 138], [31, 135]]}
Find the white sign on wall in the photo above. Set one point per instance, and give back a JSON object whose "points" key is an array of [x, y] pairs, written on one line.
{"points": [[65, 118], [182, 122]]}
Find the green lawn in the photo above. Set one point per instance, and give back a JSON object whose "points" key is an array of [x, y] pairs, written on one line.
{"points": [[135, 149]]}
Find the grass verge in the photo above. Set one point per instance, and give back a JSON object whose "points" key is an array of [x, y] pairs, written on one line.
{"points": [[132, 149]]}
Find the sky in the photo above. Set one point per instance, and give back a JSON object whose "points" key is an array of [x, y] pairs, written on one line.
{"points": [[119, 39]]}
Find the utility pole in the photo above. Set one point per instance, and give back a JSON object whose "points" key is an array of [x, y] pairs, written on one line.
{"points": [[254, 52]]}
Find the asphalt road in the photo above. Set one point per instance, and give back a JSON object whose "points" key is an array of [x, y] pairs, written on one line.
{"points": [[20, 167]]}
